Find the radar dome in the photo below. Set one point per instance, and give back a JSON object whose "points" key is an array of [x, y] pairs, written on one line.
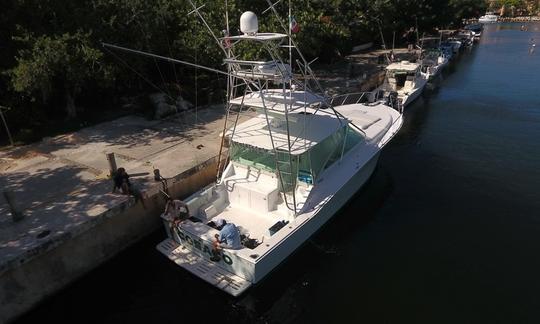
{"points": [[249, 24]]}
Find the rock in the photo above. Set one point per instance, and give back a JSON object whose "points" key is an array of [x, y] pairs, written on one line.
{"points": [[161, 106], [183, 104]]}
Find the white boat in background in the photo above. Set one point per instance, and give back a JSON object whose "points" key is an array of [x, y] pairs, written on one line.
{"points": [[405, 80], [296, 160], [488, 18]]}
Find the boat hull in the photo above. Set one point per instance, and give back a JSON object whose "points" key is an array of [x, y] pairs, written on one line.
{"points": [[312, 225], [181, 241], [409, 99]]}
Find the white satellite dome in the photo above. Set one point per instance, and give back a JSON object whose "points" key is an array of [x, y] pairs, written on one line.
{"points": [[249, 24]]}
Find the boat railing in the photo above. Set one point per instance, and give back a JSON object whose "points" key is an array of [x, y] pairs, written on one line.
{"points": [[352, 98], [266, 70]]}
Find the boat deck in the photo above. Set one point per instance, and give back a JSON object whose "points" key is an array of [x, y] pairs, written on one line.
{"points": [[374, 120], [255, 225]]}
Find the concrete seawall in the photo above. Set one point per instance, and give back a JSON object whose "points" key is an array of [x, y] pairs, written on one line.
{"points": [[72, 222], [66, 258]]}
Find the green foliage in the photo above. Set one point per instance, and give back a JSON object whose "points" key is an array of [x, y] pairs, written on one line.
{"points": [[69, 60], [52, 59], [513, 7]]}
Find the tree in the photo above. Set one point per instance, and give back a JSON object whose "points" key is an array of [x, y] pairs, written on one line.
{"points": [[58, 64]]}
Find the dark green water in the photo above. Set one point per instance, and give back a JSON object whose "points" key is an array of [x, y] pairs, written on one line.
{"points": [[446, 231]]}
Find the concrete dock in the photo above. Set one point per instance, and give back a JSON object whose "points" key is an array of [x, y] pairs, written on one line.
{"points": [[72, 222]]}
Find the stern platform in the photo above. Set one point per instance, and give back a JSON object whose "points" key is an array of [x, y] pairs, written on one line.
{"points": [[204, 269]]}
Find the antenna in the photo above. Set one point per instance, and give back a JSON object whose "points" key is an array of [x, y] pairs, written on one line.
{"points": [[197, 11], [271, 6], [227, 17], [383, 42], [416, 22]]}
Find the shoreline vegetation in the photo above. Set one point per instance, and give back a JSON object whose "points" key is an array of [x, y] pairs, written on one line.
{"points": [[56, 76]]}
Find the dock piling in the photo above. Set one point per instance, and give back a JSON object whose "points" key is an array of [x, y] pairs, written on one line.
{"points": [[16, 214], [112, 163]]}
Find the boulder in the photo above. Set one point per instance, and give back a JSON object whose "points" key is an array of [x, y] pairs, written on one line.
{"points": [[161, 107], [182, 104]]}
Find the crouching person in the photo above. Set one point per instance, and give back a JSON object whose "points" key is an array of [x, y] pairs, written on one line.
{"points": [[176, 210], [228, 238], [122, 183]]}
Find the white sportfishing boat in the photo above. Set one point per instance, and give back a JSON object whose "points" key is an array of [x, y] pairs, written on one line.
{"points": [[488, 18], [405, 80], [296, 160]]}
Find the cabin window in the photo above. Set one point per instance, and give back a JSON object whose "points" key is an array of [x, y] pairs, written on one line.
{"points": [[305, 167], [353, 138], [326, 153], [264, 160], [252, 156]]}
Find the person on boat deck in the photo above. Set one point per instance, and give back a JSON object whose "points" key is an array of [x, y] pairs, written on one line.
{"points": [[228, 237], [176, 210]]}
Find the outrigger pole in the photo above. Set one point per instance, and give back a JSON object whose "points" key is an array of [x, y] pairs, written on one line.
{"points": [[168, 59]]}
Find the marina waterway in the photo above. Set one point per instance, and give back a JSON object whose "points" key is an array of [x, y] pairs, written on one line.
{"points": [[446, 231]]}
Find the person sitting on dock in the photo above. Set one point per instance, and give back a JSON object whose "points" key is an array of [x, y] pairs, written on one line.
{"points": [[121, 181], [228, 237], [176, 210]]}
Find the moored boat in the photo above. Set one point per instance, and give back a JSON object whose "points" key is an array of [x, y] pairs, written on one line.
{"points": [[433, 62], [488, 18], [406, 80], [290, 166]]}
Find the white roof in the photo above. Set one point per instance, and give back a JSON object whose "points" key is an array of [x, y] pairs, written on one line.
{"points": [[403, 66], [305, 130], [275, 99]]}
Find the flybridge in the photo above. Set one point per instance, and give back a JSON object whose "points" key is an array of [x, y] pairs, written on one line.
{"points": [[279, 99], [254, 132]]}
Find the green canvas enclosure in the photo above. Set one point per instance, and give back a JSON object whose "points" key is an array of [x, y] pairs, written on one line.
{"points": [[305, 167]]}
